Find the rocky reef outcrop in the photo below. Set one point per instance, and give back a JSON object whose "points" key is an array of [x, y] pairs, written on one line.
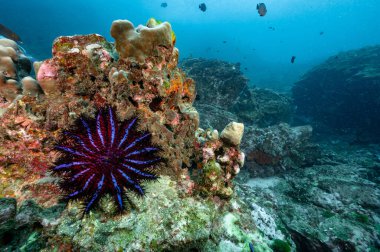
{"points": [[279, 148], [223, 95], [138, 77], [342, 93]]}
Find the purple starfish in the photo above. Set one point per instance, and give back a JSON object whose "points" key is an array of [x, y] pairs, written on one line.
{"points": [[102, 156]]}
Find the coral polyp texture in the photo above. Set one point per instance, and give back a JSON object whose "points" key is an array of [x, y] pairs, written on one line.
{"points": [[102, 156]]}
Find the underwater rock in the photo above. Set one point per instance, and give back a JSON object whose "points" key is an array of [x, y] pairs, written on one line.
{"points": [[214, 117], [8, 209], [218, 83], [341, 95], [278, 148], [223, 93], [330, 206], [270, 108], [165, 221], [23, 228]]}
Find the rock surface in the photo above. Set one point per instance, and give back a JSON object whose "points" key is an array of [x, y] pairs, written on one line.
{"points": [[342, 94], [223, 95], [331, 206], [278, 148], [7, 215]]}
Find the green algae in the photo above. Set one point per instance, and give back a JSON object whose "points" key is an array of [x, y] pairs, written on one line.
{"points": [[231, 225], [166, 84], [281, 246]]}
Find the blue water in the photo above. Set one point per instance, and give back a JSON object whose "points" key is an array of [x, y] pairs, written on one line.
{"points": [[264, 54]]}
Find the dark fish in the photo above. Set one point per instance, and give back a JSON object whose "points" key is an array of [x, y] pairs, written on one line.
{"points": [[9, 33], [164, 5], [202, 7], [261, 9], [224, 41], [251, 247], [292, 59], [321, 33], [271, 28]]}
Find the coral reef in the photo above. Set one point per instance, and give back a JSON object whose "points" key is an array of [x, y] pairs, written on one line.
{"points": [[278, 148], [25, 156], [341, 95], [40, 133], [84, 74], [218, 161], [14, 70]]}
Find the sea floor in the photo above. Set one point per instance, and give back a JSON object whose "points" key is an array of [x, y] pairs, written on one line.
{"points": [[334, 203]]}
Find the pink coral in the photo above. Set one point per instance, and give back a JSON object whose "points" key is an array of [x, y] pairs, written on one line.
{"points": [[47, 71]]}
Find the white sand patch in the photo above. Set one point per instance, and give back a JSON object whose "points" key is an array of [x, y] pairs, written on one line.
{"points": [[263, 182]]}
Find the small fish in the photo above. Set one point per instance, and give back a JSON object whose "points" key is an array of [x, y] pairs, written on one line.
{"points": [[202, 7], [224, 41], [164, 5], [6, 32], [271, 28], [261, 9], [251, 247], [292, 59], [321, 33]]}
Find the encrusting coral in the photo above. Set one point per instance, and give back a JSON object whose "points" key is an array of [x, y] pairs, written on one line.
{"points": [[92, 92], [218, 162]]}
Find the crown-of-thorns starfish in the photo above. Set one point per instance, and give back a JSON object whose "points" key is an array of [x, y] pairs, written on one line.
{"points": [[104, 156]]}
